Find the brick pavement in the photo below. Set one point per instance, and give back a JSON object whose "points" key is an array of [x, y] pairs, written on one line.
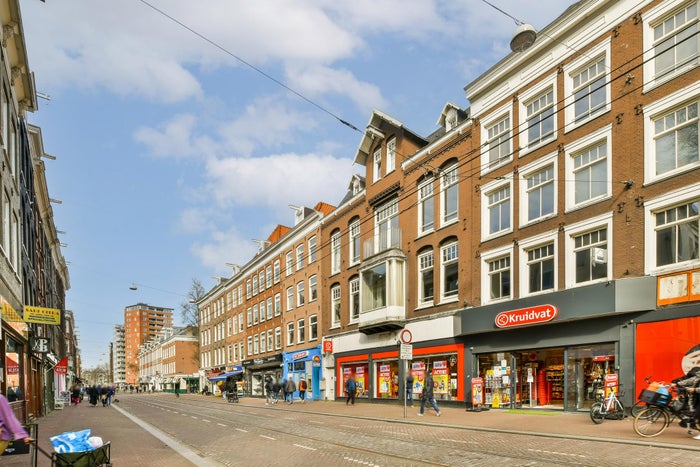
{"points": [[132, 444]]}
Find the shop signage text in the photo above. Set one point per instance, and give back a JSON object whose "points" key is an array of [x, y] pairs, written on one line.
{"points": [[524, 316], [328, 346], [300, 355]]}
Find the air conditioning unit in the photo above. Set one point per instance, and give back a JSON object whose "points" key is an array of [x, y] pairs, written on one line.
{"points": [[599, 256]]}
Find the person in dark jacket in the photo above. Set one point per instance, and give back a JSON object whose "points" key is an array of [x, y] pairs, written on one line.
{"points": [[351, 390], [276, 388], [691, 383], [428, 395], [289, 388]]}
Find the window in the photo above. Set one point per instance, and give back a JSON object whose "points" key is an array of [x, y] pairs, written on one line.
{"points": [[241, 353], [263, 311], [498, 206], [300, 293], [590, 172], [391, 155], [499, 278], [249, 313], [498, 141], [450, 270], [301, 331], [313, 288], [540, 193], [261, 280], [255, 285], [248, 288], [354, 287], [540, 268], [589, 89], [250, 345], [677, 231], [240, 322], [375, 286], [387, 226], [355, 241], [278, 304], [268, 276], [289, 263], [335, 252], [276, 273], [290, 298], [540, 118], [300, 256], [675, 41], [269, 309], [255, 314], [278, 338], [335, 306], [312, 249], [426, 207], [676, 139], [587, 243], [450, 195], [425, 278], [313, 327], [270, 340], [263, 341], [377, 167], [290, 333]]}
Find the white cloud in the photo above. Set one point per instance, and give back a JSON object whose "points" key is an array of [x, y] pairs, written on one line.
{"points": [[228, 246]]}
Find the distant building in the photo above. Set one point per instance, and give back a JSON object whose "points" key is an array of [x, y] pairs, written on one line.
{"points": [[119, 357], [170, 361], [142, 322]]}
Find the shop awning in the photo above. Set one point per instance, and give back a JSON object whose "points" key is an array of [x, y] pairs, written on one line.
{"points": [[223, 376]]}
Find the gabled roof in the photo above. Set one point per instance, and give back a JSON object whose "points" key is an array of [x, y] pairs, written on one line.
{"points": [[278, 233], [373, 131]]}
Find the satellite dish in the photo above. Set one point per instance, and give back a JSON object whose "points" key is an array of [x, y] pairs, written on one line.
{"points": [[523, 38]]}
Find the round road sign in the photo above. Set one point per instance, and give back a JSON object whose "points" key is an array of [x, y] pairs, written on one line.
{"points": [[406, 336]]}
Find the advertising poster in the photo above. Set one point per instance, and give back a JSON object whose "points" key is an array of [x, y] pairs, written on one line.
{"points": [[384, 378], [441, 377], [360, 380], [418, 370], [477, 391]]}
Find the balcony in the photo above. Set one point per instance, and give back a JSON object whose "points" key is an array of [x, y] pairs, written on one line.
{"points": [[382, 292], [390, 318], [384, 240]]}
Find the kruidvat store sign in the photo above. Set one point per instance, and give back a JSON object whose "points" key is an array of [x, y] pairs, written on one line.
{"points": [[526, 316]]}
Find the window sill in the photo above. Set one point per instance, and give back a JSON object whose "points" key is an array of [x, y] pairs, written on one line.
{"points": [[585, 204], [424, 306], [445, 300]]}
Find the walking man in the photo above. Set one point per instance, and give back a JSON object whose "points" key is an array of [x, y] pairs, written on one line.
{"points": [[289, 388], [302, 390], [351, 389], [409, 389], [428, 396]]}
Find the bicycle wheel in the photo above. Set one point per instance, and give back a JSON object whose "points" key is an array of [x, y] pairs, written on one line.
{"points": [[638, 407], [597, 414], [651, 421], [618, 412]]}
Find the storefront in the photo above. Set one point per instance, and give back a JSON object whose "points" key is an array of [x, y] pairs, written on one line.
{"points": [[550, 350], [380, 374], [259, 370], [305, 364]]}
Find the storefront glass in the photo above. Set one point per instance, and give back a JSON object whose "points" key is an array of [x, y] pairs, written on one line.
{"points": [[587, 366], [445, 375], [387, 379], [359, 371], [13, 357]]}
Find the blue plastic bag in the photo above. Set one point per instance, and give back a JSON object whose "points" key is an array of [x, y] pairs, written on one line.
{"points": [[71, 441]]}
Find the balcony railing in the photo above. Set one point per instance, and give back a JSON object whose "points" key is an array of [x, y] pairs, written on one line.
{"points": [[382, 241]]}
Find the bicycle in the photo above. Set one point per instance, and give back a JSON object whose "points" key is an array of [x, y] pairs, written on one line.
{"points": [[609, 408], [662, 410]]}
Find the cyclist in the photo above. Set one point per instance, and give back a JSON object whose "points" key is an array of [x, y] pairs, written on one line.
{"points": [[691, 383]]}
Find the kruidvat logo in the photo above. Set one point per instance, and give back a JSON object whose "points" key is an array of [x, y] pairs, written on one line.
{"points": [[524, 316]]}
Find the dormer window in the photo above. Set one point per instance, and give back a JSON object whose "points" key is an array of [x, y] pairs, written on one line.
{"points": [[356, 187]]}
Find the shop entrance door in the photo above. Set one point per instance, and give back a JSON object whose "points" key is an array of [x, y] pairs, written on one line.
{"points": [[586, 366]]}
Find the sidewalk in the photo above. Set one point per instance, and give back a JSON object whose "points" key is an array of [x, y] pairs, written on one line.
{"points": [[133, 444]]}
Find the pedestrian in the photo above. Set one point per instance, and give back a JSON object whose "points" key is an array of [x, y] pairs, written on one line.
{"points": [[104, 394], [428, 395], [289, 388], [276, 388], [284, 389], [351, 390], [93, 394], [269, 385], [302, 390], [409, 389], [11, 427]]}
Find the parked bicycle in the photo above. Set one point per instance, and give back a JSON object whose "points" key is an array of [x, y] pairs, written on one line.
{"points": [[662, 410], [609, 408]]}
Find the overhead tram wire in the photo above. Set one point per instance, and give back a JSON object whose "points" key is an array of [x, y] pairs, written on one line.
{"points": [[468, 155], [252, 67]]}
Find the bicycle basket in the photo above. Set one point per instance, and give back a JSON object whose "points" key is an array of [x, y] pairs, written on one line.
{"points": [[654, 398]]}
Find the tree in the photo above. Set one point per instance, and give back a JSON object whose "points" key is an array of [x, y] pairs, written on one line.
{"points": [[188, 310]]}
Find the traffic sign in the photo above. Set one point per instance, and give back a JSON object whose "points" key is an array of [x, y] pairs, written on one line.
{"points": [[406, 352]]}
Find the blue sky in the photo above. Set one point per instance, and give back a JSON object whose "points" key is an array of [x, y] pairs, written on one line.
{"points": [[173, 155]]}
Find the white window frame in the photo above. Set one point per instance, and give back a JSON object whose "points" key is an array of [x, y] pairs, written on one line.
{"points": [[300, 257], [449, 180], [377, 164], [278, 304], [574, 230], [289, 263], [276, 271], [524, 247], [652, 112], [335, 252], [524, 197], [526, 98], [573, 69], [487, 123], [650, 19], [312, 249], [354, 291], [354, 243], [268, 276], [454, 296], [290, 298], [313, 288], [391, 155], [335, 302], [422, 265], [313, 327], [572, 151], [263, 341], [269, 308], [278, 337], [301, 293], [486, 258], [486, 191], [651, 207], [301, 331], [426, 194], [290, 333]]}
